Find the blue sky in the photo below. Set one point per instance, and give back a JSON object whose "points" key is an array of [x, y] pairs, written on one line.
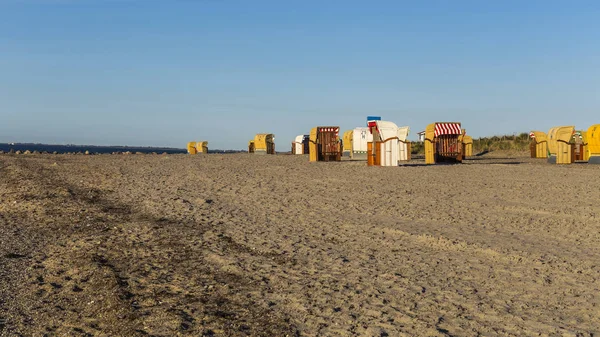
{"points": [[163, 73]]}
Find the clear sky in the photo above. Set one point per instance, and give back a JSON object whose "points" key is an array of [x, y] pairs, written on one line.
{"points": [[162, 73]]}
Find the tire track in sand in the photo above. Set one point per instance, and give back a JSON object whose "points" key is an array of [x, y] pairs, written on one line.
{"points": [[117, 271]]}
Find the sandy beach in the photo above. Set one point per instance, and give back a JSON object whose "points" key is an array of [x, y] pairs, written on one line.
{"points": [[248, 245]]}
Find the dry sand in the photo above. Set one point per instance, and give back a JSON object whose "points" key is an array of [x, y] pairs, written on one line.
{"points": [[235, 245]]}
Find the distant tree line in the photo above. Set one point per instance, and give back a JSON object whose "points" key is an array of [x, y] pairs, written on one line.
{"points": [[518, 142]]}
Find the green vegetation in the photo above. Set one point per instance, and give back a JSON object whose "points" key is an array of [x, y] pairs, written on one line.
{"points": [[417, 148], [518, 142], [510, 142]]}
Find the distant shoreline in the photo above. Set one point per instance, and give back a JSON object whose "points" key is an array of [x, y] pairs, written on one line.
{"points": [[51, 148], [99, 149], [89, 145]]}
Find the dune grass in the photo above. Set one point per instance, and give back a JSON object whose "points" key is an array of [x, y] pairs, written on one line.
{"points": [[518, 142]]}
